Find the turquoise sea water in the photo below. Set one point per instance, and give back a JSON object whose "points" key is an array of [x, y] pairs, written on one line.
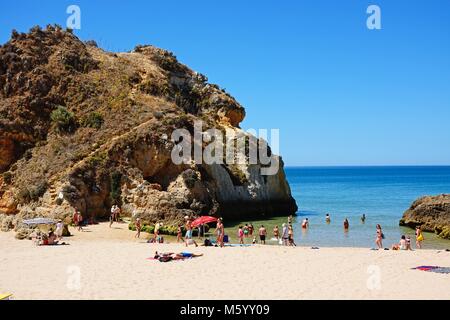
{"points": [[382, 193]]}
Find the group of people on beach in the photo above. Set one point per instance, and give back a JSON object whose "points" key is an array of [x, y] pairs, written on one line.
{"points": [[403, 244]]}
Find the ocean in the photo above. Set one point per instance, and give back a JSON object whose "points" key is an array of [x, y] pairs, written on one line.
{"points": [[381, 193]]}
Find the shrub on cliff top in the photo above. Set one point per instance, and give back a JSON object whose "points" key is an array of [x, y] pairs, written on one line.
{"points": [[92, 120], [63, 119]]}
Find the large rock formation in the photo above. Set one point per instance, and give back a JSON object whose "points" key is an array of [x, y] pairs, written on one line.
{"points": [[84, 128], [431, 213]]}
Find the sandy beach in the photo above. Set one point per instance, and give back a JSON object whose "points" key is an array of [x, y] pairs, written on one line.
{"points": [[104, 263]]}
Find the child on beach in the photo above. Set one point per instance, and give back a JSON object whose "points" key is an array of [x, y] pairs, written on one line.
{"points": [[241, 235], [79, 221], [59, 229], [408, 243]]}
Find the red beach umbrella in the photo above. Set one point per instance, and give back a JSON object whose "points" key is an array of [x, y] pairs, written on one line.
{"points": [[203, 220]]}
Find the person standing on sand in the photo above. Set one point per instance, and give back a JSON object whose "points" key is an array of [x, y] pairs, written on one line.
{"points": [[138, 228], [59, 229], [246, 230], [285, 234], [346, 224], [188, 228], [291, 236], [111, 217], [419, 237], [276, 233], [250, 229], [262, 234], [158, 226], [179, 234], [379, 238], [80, 221], [220, 232], [241, 235]]}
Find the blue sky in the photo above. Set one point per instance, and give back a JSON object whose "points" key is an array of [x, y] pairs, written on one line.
{"points": [[340, 94]]}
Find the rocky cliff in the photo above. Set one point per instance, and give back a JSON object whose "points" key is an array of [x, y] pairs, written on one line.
{"points": [[431, 213], [84, 128]]}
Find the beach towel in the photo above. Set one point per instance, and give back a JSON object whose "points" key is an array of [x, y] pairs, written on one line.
{"points": [[436, 269]]}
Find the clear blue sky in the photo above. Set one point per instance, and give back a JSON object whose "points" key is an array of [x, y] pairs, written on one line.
{"points": [[339, 93]]}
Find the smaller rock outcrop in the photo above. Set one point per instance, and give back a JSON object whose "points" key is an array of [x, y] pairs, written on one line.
{"points": [[431, 213]]}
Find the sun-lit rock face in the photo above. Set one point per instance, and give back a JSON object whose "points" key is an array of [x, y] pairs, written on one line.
{"points": [[81, 128], [431, 213]]}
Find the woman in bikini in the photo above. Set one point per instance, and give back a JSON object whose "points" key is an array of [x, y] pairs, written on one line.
{"points": [[379, 238], [220, 232]]}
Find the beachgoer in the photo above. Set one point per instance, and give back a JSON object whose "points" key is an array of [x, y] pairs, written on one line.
{"points": [[179, 234], [117, 213], [241, 235], [188, 228], [59, 229], [138, 228], [419, 237], [363, 218], [52, 238], [262, 234], [346, 224], [112, 215], [290, 219], [156, 232], [250, 229], [285, 234], [80, 221], [401, 245], [75, 218], [276, 233], [327, 218], [200, 229], [379, 237], [291, 236], [165, 257], [408, 243], [305, 223], [220, 232], [245, 230]]}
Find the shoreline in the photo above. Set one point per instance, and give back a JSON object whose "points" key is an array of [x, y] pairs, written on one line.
{"points": [[111, 264]]}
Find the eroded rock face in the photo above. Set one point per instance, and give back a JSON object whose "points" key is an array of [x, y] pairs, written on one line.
{"points": [[431, 213], [122, 108]]}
